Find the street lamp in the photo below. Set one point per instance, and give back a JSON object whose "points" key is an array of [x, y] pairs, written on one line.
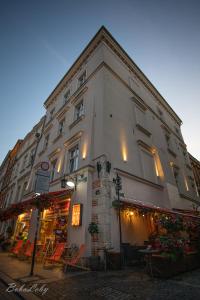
{"points": [[70, 183], [118, 187]]}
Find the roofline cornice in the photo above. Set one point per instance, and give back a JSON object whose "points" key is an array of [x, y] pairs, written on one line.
{"points": [[104, 35]]}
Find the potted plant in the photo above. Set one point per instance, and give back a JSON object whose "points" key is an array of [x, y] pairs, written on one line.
{"points": [[93, 230]]}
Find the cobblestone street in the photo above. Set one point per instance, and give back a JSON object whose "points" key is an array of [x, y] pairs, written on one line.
{"points": [[112, 285]]}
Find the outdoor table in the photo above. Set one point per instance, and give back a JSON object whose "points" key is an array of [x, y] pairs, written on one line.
{"points": [[148, 253]]}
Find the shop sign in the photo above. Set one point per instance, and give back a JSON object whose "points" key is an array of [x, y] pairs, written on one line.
{"points": [[42, 181], [77, 214]]}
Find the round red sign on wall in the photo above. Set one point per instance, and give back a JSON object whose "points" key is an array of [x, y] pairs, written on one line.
{"points": [[44, 165]]}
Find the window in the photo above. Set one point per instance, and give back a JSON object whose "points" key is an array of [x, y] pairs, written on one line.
{"points": [[169, 141], [51, 114], [176, 176], [148, 165], [24, 188], [60, 127], [25, 161], [32, 156], [79, 110], [53, 170], [159, 112], [16, 169], [82, 79], [66, 96], [46, 141], [10, 198], [73, 159], [140, 116], [18, 193]]}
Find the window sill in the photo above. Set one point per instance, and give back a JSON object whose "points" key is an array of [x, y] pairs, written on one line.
{"points": [[49, 122], [41, 152], [143, 130], [188, 198], [57, 138], [76, 121], [171, 152], [64, 108]]}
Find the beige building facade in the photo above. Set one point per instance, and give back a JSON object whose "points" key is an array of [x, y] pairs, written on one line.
{"points": [[106, 118]]}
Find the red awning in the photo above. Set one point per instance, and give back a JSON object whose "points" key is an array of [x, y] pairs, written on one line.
{"points": [[43, 201], [151, 207]]}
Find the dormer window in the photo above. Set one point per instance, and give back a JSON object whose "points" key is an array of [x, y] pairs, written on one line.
{"points": [[82, 79]]}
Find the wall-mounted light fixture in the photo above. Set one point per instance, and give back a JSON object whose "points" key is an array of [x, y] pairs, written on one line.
{"points": [[72, 181]]}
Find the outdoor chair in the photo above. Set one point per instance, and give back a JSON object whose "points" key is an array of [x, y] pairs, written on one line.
{"points": [[29, 250], [56, 256], [17, 248], [75, 261]]}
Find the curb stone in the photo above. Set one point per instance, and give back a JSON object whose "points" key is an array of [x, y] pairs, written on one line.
{"points": [[26, 296]]}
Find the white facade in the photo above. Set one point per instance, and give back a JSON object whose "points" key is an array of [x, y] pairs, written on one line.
{"points": [[106, 110]]}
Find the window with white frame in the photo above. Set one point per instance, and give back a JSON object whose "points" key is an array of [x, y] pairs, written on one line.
{"points": [[60, 127], [73, 158], [79, 110], [148, 165], [82, 79], [53, 170], [66, 96]]}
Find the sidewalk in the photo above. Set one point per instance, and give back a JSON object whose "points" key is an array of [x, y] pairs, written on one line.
{"points": [[126, 284]]}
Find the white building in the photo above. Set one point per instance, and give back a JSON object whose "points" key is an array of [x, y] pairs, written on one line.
{"points": [[105, 111]]}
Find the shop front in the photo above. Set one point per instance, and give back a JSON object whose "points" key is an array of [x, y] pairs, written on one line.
{"points": [[166, 236], [22, 226], [53, 221]]}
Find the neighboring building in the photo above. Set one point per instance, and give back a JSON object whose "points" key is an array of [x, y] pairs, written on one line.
{"points": [[16, 169], [196, 171], [6, 171], [105, 117]]}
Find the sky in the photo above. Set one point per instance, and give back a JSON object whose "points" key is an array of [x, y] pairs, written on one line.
{"points": [[40, 39]]}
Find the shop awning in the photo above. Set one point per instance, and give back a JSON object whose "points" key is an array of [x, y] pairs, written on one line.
{"points": [[43, 201], [131, 203]]}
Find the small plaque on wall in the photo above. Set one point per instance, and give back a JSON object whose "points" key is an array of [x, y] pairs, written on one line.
{"points": [[77, 214]]}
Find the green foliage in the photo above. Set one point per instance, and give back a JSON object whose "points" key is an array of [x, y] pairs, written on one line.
{"points": [[93, 228], [171, 223]]}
